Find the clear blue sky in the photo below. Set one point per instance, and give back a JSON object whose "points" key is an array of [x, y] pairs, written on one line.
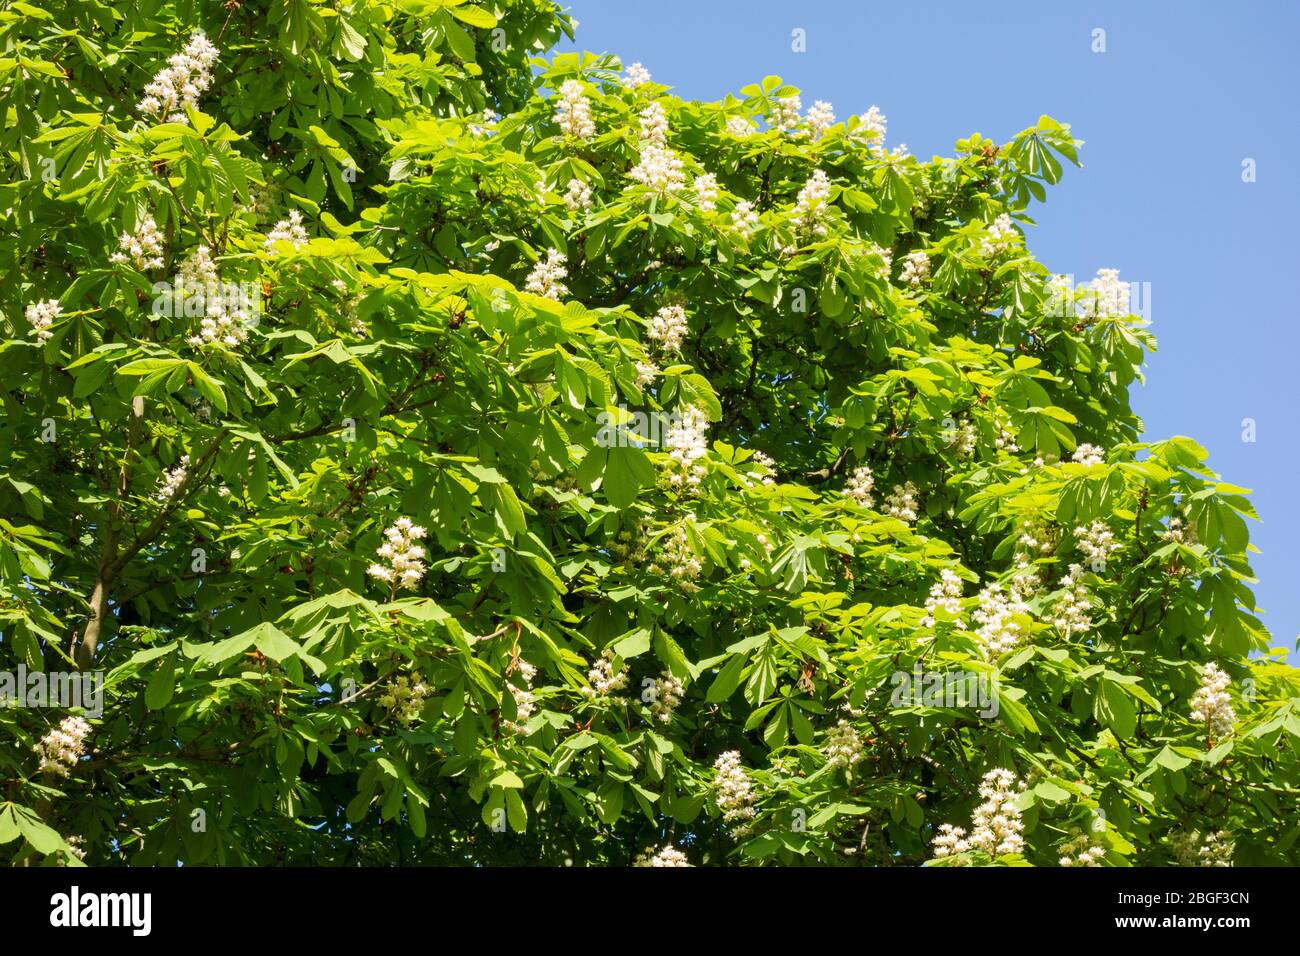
{"points": [[1183, 93]]}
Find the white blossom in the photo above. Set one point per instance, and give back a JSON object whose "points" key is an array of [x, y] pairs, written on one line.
{"points": [[811, 204], [573, 111], [405, 698], [405, 558], [821, 117], [998, 631], [706, 192], [860, 486], [872, 128], [916, 269], [646, 373], [654, 125], [41, 315], [667, 856], [785, 114], [187, 75], [687, 444], [1194, 848], [668, 327], [1106, 295], [1089, 455], [843, 746], [1211, 704], [142, 250], [677, 559], [734, 794], [739, 127], [666, 693], [1082, 850], [170, 482], [547, 276], [945, 594], [1096, 542], [63, 746], [901, 502], [659, 169], [289, 230], [744, 218], [996, 826], [635, 75], [578, 196], [1000, 234], [1070, 613], [604, 678]]}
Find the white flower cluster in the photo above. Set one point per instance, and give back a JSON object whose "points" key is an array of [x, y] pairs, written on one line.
{"points": [[1179, 533], [668, 856], [181, 82], [1000, 235], [916, 269], [821, 117], [1194, 848], [573, 111], [687, 444], [405, 558], [547, 277], [706, 192], [658, 169], [1089, 455], [635, 75], [646, 373], [998, 630], [678, 560], [1006, 440], [961, 439], [744, 218], [227, 315], [996, 823], [41, 315], [843, 746], [872, 127], [785, 114], [668, 328], [170, 482], [666, 693], [810, 205], [734, 797], [768, 467], [525, 702], [1070, 613], [289, 230], [901, 502], [1082, 850], [604, 679], [1211, 704], [860, 486], [946, 594], [654, 125], [739, 127], [1106, 295], [143, 250], [405, 698], [578, 196], [1096, 542], [62, 747]]}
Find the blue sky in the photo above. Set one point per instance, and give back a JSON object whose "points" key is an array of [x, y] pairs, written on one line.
{"points": [[1182, 95]]}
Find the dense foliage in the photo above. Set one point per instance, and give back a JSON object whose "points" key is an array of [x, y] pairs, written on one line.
{"points": [[435, 486]]}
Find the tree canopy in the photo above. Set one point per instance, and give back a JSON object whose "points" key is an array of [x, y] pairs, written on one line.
{"points": [[453, 455]]}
